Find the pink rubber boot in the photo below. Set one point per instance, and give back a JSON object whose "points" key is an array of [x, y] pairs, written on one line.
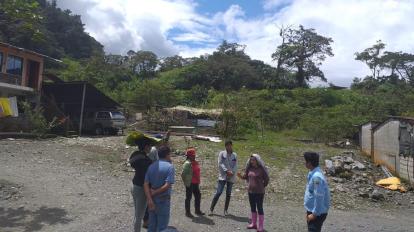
{"points": [[253, 222], [260, 228]]}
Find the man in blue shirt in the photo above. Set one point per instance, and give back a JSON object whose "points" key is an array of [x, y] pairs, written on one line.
{"points": [[317, 195], [158, 184]]}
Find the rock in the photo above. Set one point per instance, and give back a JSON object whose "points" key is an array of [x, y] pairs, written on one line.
{"points": [[348, 160], [340, 188], [358, 165], [347, 167], [363, 194], [412, 202], [338, 180], [377, 196], [330, 167], [338, 165]]}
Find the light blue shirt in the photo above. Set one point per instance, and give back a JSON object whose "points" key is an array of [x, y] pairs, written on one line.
{"points": [[317, 195], [159, 173]]}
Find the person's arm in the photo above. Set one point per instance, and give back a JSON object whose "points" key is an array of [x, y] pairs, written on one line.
{"points": [[168, 182], [147, 191], [222, 164], [186, 172], [319, 196], [265, 178]]}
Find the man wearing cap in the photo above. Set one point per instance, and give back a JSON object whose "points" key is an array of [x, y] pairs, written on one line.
{"points": [[227, 164], [158, 187], [191, 178], [317, 195]]}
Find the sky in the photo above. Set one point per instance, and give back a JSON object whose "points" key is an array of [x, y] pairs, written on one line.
{"points": [[196, 27]]}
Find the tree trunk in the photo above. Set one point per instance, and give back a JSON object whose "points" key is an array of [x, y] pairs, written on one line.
{"points": [[300, 77]]}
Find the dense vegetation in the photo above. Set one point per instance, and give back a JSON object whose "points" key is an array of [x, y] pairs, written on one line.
{"points": [[256, 96]]}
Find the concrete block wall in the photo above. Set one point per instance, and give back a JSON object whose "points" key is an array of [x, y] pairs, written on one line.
{"points": [[386, 145], [406, 168], [366, 139]]}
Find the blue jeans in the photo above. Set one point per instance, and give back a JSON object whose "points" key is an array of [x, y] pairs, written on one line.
{"points": [[220, 188], [160, 217]]}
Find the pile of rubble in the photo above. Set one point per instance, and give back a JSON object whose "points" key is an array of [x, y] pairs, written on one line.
{"points": [[356, 178]]}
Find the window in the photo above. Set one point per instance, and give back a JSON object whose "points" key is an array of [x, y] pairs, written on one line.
{"points": [[14, 65], [103, 115], [1, 61], [117, 115]]}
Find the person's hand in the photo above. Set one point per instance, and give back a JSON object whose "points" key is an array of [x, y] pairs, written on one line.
{"points": [[240, 175], [229, 173], [152, 192], [151, 205], [310, 217]]}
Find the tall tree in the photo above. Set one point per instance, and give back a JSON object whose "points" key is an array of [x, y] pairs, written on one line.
{"points": [[143, 63], [372, 57], [303, 52], [172, 62]]}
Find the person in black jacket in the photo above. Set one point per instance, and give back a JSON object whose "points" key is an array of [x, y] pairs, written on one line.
{"points": [[140, 161]]}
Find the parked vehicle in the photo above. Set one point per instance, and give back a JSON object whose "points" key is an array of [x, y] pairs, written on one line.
{"points": [[108, 122]]}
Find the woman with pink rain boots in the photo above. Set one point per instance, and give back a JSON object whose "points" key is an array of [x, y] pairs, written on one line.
{"points": [[257, 178]]}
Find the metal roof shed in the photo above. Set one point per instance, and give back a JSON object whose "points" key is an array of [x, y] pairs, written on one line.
{"points": [[73, 98]]}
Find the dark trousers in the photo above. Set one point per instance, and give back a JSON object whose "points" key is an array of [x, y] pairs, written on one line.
{"points": [[146, 215], [256, 202], [194, 189], [316, 225]]}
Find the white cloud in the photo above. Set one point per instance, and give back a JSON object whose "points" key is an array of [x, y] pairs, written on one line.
{"points": [[354, 25], [272, 4]]}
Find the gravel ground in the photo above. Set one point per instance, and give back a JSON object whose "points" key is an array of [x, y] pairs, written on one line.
{"points": [[84, 185]]}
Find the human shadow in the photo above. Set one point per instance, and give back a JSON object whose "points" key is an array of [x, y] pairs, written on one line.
{"points": [[203, 220], [32, 220], [233, 217]]}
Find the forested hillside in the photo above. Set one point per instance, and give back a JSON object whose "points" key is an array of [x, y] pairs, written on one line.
{"points": [[256, 96]]}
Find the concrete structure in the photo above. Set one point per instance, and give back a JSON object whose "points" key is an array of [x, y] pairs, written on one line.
{"points": [[365, 137], [392, 145]]}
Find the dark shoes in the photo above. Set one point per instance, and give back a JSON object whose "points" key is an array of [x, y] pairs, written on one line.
{"points": [[189, 215], [199, 213], [145, 224]]}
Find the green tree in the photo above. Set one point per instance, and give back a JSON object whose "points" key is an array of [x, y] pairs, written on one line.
{"points": [[172, 62], [143, 63], [20, 22], [372, 57], [303, 51]]}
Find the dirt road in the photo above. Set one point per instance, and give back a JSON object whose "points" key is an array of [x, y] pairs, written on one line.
{"points": [[63, 185]]}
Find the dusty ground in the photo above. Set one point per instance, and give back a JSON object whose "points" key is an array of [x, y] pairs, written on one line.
{"points": [[84, 185]]}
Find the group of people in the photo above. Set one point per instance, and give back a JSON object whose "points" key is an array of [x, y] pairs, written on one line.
{"points": [[155, 175]]}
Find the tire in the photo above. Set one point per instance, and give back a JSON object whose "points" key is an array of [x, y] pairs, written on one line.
{"points": [[113, 131], [99, 130]]}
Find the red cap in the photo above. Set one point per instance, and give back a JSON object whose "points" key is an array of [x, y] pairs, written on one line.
{"points": [[191, 152]]}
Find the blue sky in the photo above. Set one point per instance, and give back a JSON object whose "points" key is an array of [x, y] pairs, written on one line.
{"points": [[196, 27]]}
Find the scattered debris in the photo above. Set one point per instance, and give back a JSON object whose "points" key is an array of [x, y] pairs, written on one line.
{"points": [[386, 171], [341, 144], [207, 138], [352, 179]]}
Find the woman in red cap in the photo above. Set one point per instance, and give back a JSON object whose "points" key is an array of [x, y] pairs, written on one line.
{"points": [[191, 179]]}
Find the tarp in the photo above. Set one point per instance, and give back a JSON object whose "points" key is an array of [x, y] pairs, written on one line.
{"points": [[391, 183]]}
